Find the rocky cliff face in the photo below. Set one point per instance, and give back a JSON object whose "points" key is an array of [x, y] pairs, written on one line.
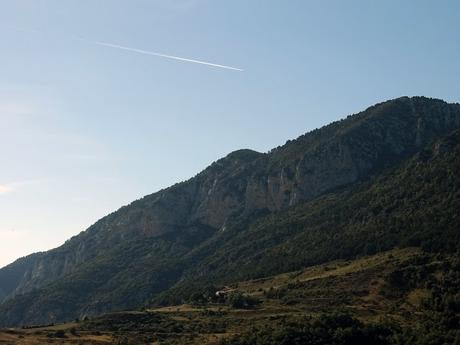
{"points": [[245, 181]]}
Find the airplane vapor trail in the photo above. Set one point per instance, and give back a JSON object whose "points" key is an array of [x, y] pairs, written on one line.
{"points": [[146, 52], [135, 50]]}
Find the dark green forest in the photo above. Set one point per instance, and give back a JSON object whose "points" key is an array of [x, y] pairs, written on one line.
{"points": [[384, 179]]}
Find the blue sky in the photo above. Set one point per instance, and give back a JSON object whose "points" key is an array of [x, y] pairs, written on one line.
{"points": [[87, 128]]}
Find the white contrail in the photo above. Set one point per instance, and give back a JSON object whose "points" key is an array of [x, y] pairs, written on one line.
{"points": [[134, 50], [140, 51]]}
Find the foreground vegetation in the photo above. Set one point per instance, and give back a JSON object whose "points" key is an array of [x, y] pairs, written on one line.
{"points": [[404, 296]]}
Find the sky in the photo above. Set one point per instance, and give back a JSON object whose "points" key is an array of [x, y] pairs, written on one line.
{"points": [[88, 127]]}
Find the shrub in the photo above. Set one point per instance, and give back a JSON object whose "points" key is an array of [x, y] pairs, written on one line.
{"points": [[241, 301]]}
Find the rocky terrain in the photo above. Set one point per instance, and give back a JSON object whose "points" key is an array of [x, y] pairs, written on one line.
{"points": [[350, 188]]}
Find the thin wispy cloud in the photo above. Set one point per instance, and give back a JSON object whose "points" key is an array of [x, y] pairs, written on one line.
{"points": [[14, 186], [8, 108], [4, 189]]}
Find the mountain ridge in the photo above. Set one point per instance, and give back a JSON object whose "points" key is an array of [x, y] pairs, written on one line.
{"points": [[240, 186]]}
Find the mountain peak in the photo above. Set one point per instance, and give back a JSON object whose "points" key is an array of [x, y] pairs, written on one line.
{"points": [[162, 238]]}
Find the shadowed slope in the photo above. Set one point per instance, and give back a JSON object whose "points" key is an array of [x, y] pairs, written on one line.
{"points": [[216, 224]]}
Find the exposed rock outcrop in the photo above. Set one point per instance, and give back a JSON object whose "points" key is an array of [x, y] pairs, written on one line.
{"points": [[244, 182]]}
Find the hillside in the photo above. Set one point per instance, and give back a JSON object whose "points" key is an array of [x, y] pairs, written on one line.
{"points": [[380, 179], [344, 302]]}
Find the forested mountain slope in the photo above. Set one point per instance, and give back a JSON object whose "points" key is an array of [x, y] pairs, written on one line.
{"points": [[385, 177]]}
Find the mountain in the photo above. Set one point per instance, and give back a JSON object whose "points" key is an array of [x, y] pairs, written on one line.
{"points": [[380, 179], [403, 296]]}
